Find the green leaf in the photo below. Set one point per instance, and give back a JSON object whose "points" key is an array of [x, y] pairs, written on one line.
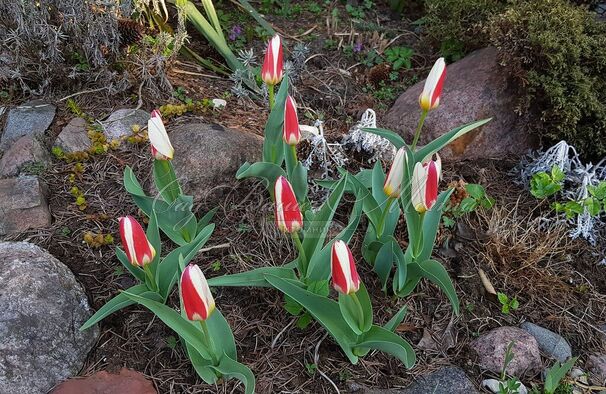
{"points": [[119, 302], [206, 219], [389, 135], [234, 369], [502, 297], [304, 320], [153, 236], [370, 205], [476, 191], [386, 341], [166, 180], [298, 179], [445, 139], [273, 143], [556, 373], [253, 278], [135, 271], [324, 310], [431, 224], [395, 321], [356, 309], [436, 273], [201, 365], [291, 306], [267, 172], [385, 260]]}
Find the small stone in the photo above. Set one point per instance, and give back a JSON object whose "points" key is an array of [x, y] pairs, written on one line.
{"points": [[120, 123], [494, 385], [596, 365], [74, 137], [126, 381], [219, 103], [22, 205], [491, 348], [550, 343], [207, 156], [43, 307], [31, 118], [27, 152]]}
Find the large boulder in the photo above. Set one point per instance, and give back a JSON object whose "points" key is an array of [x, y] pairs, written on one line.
{"points": [[43, 307], [23, 205], [26, 151], [476, 87], [31, 118], [207, 156]]}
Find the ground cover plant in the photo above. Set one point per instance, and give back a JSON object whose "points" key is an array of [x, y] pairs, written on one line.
{"points": [[364, 272]]}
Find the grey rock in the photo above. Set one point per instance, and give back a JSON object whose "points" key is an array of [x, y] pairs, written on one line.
{"points": [[207, 156], [550, 343], [43, 307], [446, 380], [596, 365], [491, 348], [31, 118], [27, 150], [74, 137], [476, 87], [22, 205], [120, 122]]}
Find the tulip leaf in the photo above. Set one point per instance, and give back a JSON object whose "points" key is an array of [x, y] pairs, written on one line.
{"points": [[267, 172], [201, 365], [221, 334], [323, 309], [253, 278], [120, 301], [395, 321], [168, 269], [385, 259], [386, 341], [298, 180], [370, 205], [316, 226], [153, 236], [370, 246], [356, 309], [183, 327], [166, 180], [412, 281], [364, 176], [436, 273], [233, 369], [206, 219], [389, 135], [445, 139], [318, 269], [135, 271], [431, 223], [273, 143]]}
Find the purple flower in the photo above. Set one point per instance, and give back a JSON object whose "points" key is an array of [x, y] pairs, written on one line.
{"points": [[357, 47], [235, 32]]}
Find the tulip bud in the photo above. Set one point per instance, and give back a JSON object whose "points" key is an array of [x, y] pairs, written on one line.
{"points": [[272, 70], [288, 214], [134, 241], [197, 299], [425, 179], [345, 277], [160, 144], [393, 182], [291, 131], [430, 97]]}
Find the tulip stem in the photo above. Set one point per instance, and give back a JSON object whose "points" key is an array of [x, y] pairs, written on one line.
{"points": [[293, 149], [356, 301], [381, 226], [418, 132], [420, 234], [208, 341], [302, 259], [150, 276], [270, 91]]}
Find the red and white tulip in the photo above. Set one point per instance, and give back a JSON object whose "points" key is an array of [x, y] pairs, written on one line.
{"points": [[291, 130], [158, 138], [273, 69], [345, 277], [430, 97], [197, 299], [393, 182], [425, 179], [134, 241], [288, 214]]}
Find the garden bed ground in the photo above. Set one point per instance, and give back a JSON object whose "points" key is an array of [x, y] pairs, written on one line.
{"points": [[557, 280]]}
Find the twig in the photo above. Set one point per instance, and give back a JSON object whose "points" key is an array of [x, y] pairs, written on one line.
{"points": [[220, 246], [84, 92], [273, 343]]}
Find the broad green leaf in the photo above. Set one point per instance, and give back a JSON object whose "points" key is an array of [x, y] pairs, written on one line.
{"points": [[201, 365], [556, 373], [385, 259], [273, 143], [267, 172], [436, 273], [476, 191], [370, 247], [253, 278], [168, 269], [183, 327], [324, 310], [445, 139], [412, 281], [352, 313], [221, 334], [389, 135], [135, 271], [431, 223], [119, 302], [371, 207], [166, 180], [206, 219], [153, 236], [386, 341], [298, 179], [395, 321], [233, 369]]}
